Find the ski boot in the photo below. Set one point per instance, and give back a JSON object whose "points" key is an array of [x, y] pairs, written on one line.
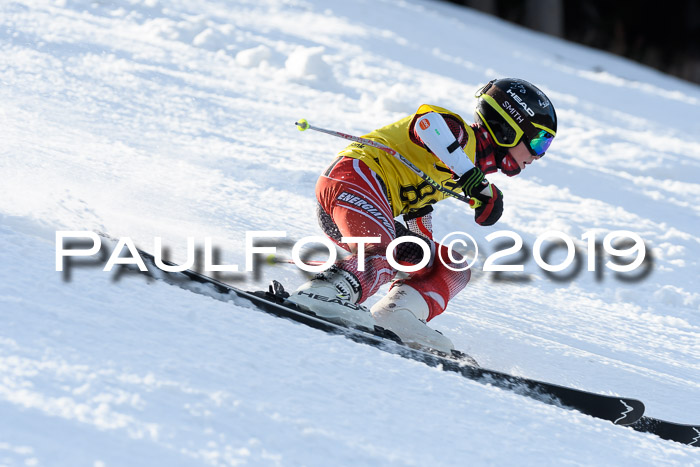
{"points": [[404, 311], [333, 295]]}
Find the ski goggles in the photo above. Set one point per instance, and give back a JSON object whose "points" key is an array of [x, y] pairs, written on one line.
{"points": [[540, 143], [508, 133]]}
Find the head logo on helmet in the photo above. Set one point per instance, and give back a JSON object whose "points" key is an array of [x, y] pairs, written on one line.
{"points": [[517, 99], [513, 110]]}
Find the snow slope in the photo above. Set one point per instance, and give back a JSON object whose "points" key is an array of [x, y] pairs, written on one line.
{"points": [[147, 118]]}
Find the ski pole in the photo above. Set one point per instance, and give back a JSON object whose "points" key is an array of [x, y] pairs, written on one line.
{"points": [[474, 203]]}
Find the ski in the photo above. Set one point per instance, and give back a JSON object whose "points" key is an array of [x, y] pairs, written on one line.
{"points": [[618, 410], [686, 434]]}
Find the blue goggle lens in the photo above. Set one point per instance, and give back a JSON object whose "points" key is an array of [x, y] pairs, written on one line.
{"points": [[540, 143]]}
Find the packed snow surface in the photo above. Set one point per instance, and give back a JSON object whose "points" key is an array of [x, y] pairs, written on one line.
{"points": [[175, 119]]}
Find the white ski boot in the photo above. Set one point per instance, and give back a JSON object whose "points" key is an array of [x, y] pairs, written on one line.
{"points": [[332, 295], [404, 311]]}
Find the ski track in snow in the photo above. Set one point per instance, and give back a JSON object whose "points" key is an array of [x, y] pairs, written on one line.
{"points": [[147, 118]]}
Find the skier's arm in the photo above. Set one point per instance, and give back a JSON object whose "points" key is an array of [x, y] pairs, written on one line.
{"points": [[433, 130]]}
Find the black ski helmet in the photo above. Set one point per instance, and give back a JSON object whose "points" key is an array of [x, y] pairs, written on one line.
{"points": [[512, 109]]}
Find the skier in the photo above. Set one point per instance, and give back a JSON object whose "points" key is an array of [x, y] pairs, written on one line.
{"points": [[364, 189]]}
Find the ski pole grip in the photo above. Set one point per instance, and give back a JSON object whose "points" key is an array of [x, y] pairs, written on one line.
{"points": [[474, 203], [302, 124]]}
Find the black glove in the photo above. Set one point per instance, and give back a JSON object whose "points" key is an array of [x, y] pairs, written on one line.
{"points": [[472, 182], [489, 212]]}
